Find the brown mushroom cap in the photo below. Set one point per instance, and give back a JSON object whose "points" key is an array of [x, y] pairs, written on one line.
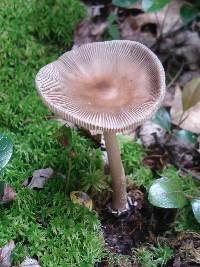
{"points": [[112, 85]]}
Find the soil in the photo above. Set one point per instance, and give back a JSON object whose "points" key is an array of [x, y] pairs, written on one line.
{"points": [[142, 226]]}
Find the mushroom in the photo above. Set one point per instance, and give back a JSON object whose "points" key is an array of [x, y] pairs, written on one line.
{"points": [[110, 86]]}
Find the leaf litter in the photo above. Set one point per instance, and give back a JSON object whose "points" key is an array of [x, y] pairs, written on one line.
{"points": [[39, 178]]}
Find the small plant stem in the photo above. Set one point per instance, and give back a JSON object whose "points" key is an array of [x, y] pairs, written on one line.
{"points": [[68, 174], [119, 194]]}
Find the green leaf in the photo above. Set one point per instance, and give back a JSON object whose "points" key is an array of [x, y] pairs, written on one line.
{"points": [[167, 193], [163, 119], [196, 208], [6, 149], [191, 93], [188, 13], [64, 136], [114, 32], [123, 3], [112, 18], [154, 5], [147, 4], [187, 136]]}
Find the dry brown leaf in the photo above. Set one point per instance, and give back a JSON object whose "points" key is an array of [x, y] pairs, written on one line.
{"points": [[5, 254], [168, 19], [190, 49], [129, 32], [177, 106], [39, 177], [191, 93], [28, 262], [189, 120]]}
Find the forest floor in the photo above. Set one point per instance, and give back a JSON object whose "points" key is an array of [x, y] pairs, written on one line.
{"points": [[41, 222]]}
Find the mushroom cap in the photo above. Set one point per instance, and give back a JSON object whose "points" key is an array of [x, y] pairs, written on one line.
{"points": [[109, 86]]}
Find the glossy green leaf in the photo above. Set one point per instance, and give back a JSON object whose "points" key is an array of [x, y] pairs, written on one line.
{"points": [[186, 136], [6, 149], [188, 13], [123, 3], [191, 93], [196, 208], [163, 119], [154, 5], [64, 136], [167, 193]]}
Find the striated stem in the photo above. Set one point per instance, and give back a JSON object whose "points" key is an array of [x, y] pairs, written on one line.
{"points": [[119, 194]]}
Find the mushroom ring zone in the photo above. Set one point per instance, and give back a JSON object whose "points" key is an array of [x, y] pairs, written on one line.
{"points": [[109, 86]]}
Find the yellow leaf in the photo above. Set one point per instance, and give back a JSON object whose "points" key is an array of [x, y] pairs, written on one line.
{"points": [[191, 93], [81, 198]]}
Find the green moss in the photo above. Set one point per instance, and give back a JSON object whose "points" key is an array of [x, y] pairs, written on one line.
{"points": [[44, 224], [54, 20]]}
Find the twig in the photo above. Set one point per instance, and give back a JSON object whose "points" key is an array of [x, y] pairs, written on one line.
{"points": [[68, 174], [163, 21], [176, 76]]}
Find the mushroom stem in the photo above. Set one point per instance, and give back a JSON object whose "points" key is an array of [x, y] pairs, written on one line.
{"points": [[119, 194]]}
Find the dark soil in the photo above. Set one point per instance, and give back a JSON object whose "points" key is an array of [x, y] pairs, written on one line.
{"points": [[142, 226]]}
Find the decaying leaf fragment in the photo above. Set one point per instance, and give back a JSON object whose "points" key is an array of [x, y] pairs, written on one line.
{"points": [[28, 262], [150, 132], [167, 20], [39, 177], [188, 119], [81, 198], [5, 254], [7, 194]]}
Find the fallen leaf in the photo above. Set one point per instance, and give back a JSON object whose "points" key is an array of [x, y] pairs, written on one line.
{"points": [[5, 254], [81, 198], [28, 262], [181, 152], [177, 106], [191, 93], [191, 120], [39, 177], [189, 49], [89, 31], [168, 19], [188, 76], [150, 132], [9, 194], [131, 31]]}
